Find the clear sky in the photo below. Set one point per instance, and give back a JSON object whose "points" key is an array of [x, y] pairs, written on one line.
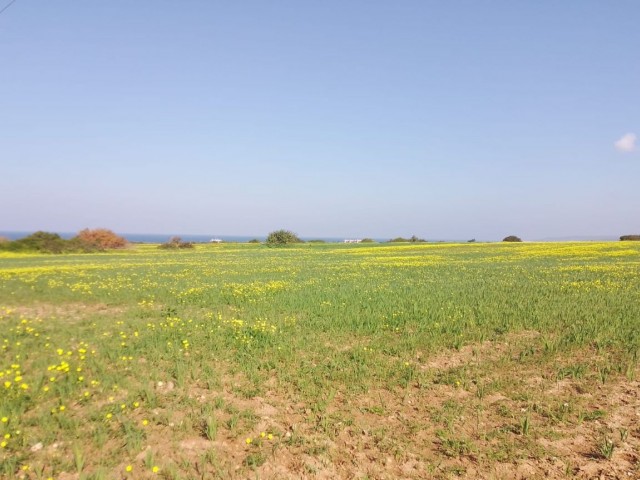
{"points": [[450, 120]]}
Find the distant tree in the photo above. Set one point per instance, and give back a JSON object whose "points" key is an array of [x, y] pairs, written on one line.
{"points": [[511, 238], [255, 240], [473, 240], [317, 241], [630, 238], [175, 243], [367, 240], [101, 238], [282, 237]]}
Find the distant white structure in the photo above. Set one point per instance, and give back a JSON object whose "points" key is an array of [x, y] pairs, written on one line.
{"points": [[352, 241], [216, 240]]}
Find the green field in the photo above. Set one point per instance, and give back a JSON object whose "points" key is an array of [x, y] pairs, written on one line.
{"points": [[322, 361]]}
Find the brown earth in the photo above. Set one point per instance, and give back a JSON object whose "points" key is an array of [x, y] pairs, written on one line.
{"points": [[439, 430]]}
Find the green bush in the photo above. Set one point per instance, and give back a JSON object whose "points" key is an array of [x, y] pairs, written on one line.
{"points": [[47, 242], [176, 243], [511, 238], [43, 241], [413, 239], [282, 237], [630, 238]]}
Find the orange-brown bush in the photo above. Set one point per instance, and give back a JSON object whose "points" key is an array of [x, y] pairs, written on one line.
{"points": [[101, 238]]}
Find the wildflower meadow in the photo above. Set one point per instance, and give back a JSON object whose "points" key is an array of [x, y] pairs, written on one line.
{"points": [[321, 361]]}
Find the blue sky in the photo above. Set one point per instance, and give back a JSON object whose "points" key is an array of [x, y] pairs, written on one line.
{"points": [[453, 120]]}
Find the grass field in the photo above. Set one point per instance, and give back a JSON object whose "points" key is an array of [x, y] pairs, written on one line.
{"points": [[322, 361]]}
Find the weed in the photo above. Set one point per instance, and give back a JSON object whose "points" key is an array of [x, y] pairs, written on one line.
{"points": [[78, 458], [210, 428], [525, 425], [624, 433], [255, 459], [606, 447]]}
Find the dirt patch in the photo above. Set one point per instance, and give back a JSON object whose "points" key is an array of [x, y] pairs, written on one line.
{"points": [[528, 425], [478, 353], [67, 311]]}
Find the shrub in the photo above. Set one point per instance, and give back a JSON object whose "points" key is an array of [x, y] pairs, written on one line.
{"points": [[317, 241], [42, 242], [413, 239], [367, 240], [101, 238], [630, 238], [255, 240], [282, 237], [176, 243], [46, 242], [511, 238]]}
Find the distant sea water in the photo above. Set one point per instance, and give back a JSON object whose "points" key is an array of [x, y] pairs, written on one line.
{"points": [[163, 237]]}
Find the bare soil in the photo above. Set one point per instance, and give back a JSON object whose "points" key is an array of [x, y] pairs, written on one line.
{"points": [[529, 424]]}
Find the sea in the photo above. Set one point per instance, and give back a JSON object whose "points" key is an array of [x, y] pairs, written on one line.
{"points": [[200, 238], [186, 237]]}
